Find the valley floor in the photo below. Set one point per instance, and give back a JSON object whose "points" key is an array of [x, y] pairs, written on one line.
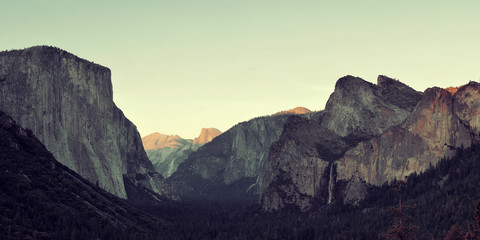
{"points": [[443, 196]]}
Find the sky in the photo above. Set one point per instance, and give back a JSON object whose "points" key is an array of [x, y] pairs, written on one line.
{"points": [[180, 65]]}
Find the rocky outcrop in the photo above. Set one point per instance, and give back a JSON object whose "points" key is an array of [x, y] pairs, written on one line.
{"points": [[362, 109], [298, 163], [68, 104], [206, 135], [355, 191], [166, 152], [229, 166], [299, 167], [439, 124]]}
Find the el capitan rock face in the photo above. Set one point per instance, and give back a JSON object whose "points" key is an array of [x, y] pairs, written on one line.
{"points": [[68, 104], [166, 152], [301, 163], [439, 124]]}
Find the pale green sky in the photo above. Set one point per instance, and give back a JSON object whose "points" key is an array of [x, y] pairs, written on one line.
{"points": [[178, 66]]}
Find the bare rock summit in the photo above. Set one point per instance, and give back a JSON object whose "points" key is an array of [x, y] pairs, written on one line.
{"points": [[206, 135]]}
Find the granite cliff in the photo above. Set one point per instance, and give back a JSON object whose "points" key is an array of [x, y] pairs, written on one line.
{"points": [[166, 152], [231, 166], [68, 104], [441, 122], [300, 169]]}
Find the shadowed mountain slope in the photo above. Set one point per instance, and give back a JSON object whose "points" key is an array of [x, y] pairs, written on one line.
{"points": [[41, 198], [232, 165]]}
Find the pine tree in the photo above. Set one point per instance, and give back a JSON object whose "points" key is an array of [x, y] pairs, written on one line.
{"points": [[402, 227], [455, 233], [474, 228]]}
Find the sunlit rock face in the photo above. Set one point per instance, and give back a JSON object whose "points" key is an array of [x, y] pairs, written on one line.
{"points": [[439, 124], [166, 152], [298, 168], [68, 103], [297, 110], [206, 135], [157, 141]]}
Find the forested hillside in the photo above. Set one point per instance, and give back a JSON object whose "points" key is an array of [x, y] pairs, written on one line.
{"points": [[442, 196], [40, 198]]}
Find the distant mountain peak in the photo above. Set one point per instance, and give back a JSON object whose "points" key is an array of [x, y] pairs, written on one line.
{"points": [[157, 140], [166, 152], [383, 80], [207, 135], [297, 110], [351, 83]]}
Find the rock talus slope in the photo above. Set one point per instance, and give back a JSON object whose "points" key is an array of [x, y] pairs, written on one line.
{"points": [[68, 104]]}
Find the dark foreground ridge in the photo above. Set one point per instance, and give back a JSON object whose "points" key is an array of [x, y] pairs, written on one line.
{"points": [[40, 198]]}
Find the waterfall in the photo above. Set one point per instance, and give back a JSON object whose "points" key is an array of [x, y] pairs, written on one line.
{"points": [[330, 185]]}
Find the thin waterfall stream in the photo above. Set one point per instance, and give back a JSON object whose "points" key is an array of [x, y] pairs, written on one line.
{"points": [[331, 182]]}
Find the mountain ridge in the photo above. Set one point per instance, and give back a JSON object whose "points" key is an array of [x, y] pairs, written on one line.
{"points": [[166, 152], [441, 123], [301, 163], [231, 167], [40, 198], [68, 103], [157, 140], [375, 148]]}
